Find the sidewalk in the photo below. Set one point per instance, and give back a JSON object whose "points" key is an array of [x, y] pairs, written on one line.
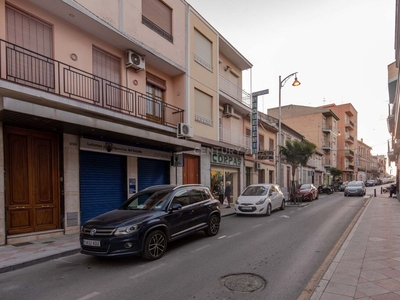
{"points": [[367, 265], [14, 257]]}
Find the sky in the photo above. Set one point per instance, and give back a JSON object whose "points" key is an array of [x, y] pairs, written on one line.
{"points": [[340, 49]]}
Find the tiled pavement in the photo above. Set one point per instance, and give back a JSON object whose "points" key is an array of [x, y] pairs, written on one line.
{"points": [[367, 265]]}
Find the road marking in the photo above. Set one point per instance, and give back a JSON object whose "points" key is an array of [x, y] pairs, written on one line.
{"points": [[292, 212], [222, 237], [228, 237], [299, 208], [257, 226], [270, 220], [201, 248], [147, 271], [91, 295], [285, 216]]}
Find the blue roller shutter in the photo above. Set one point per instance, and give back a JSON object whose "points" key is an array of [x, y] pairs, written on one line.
{"points": [[152, 172], [102, 183]]}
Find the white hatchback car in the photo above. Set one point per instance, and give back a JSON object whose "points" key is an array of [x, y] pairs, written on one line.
{"points": [[260, 199]]}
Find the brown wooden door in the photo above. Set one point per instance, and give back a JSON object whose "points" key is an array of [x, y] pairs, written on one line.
{"points": [[191, 169], [32, 181]]}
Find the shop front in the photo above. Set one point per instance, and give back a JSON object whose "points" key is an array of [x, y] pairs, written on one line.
{"points": [[226, 168]]}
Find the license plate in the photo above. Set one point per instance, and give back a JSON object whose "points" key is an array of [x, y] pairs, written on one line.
{"points": [[246, 208], [92, 243]]}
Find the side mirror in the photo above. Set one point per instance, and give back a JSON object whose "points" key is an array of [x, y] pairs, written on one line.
{"points": [[176, 206]]}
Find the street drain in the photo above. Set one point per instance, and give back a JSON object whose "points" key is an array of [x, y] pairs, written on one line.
{"points": [[244, 282]]}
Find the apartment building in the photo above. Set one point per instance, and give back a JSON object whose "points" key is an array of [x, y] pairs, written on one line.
{"points": [[393, 119], [347, 140], [319, 126], [97, 104]]}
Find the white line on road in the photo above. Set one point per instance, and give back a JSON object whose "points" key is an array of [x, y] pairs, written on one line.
{"points": [[292, 212], [257, 226], [299, 208], [201, 248], [91, 295], [222, 237], [270, 220], [228, 237], [147, 271]]}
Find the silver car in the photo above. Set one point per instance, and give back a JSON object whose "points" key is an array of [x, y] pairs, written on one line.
{"points": [[355, 188], [260, 199]]}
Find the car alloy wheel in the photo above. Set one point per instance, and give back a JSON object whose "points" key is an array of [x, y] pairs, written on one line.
{"points": [[213, 226], [268, 211], [155, 245], [283, 205]]}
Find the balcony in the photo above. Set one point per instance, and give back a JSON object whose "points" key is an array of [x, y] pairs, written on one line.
{"points": [[24, 67], [349, 138], [327, 128], [390, 124], [391, 156], [327, 146], [350, 167], [234, 92], [348, 153], [233, 137], [349, 124], [327, 163]]}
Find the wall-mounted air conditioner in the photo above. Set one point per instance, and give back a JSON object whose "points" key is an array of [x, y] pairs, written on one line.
{"points": [[135, 61], [184, 130], [228, 110]]}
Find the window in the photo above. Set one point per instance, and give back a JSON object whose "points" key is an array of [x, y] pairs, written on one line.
{"points": [[181, 197], [261, 176], [271, 145], [202, 50], [154, 101], [203, 107], [260, 142], [158, 17]]}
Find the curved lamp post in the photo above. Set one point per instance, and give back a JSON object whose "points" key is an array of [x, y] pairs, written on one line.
{"points": [[281, 85]]}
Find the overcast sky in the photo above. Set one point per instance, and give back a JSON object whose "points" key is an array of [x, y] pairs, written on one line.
{"points": [[340, 49]]}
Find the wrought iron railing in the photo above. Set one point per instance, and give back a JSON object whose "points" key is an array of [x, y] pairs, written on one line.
{"points": [[31, 69]]}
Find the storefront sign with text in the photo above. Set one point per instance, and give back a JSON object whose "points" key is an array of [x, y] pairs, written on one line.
{"points": [[226, 159]]}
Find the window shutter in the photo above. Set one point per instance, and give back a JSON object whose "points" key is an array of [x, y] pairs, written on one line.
{"points": [[106, 66], [202, 50], [158, 13], [203, 104]]}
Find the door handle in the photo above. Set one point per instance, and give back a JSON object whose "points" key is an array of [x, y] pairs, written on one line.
{"points": [[19, 207]]}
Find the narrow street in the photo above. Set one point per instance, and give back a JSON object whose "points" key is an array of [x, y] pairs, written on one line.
{"points": [[274, 256]]}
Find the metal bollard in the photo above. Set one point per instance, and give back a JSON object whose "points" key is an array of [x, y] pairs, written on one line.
{"points": [[381, 190], [374, 192]]}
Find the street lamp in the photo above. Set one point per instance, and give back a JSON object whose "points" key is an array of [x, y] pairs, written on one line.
{"points": [[281, 85]]}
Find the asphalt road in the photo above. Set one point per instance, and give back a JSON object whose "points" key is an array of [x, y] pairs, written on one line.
{"points": [[251, 258]]}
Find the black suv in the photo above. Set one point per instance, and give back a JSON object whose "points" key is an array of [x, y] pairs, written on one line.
{"points": [[150, 219]]}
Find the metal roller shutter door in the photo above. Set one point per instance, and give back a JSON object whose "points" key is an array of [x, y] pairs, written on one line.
{"points": [[102, 183], [152, 172]]}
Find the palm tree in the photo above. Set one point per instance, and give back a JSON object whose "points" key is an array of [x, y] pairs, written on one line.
{"points": [[296, 153]]}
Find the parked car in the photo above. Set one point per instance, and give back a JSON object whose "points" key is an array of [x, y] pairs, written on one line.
{"points": [[150, 219], [343, 185], [308, 191], [260, 199], [370, 182], [356, 188]]}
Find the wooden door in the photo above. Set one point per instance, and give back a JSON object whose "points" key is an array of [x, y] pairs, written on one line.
{"points": [[191, 169], [32, 181]]}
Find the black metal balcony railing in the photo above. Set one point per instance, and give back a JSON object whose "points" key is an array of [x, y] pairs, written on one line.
{"points": [[390, 123], [349, 123], [28, 68], [349, 152]]}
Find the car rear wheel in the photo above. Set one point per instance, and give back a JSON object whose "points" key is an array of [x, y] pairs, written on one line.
{"points": [[213, 226], [268, 211], [283, 205], [155, 245]]}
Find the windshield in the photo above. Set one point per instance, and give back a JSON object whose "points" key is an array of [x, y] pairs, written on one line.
{"points": [[354, 183], [256, 191], [305, 187], [147, 201]]}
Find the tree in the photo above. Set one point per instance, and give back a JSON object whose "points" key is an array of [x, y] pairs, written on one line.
{"points": [[296, 153], [335, 173]]}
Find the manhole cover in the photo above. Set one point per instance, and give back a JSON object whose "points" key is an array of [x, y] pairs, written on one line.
{"points": [[244, 283]]}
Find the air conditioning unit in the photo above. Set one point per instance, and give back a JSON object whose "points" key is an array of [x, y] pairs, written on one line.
{"points": [[135, 61], [184, 130], [228, 110], [257, 166]]}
